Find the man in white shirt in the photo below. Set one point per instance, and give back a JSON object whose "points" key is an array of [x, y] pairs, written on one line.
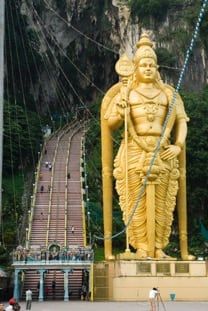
{"points": [[152, 298], [28, 299]]}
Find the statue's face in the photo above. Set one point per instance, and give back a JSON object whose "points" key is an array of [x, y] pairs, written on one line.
{"points": [[147, 70]]}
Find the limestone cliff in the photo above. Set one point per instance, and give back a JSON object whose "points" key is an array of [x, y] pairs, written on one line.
{"points": [[79, 41]]}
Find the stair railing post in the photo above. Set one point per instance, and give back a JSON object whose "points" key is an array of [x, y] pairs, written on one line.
{"points": [[66, 284], [16, 284], [41, 287]]}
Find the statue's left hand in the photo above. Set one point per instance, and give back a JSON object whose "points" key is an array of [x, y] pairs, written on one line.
{"points": [[171, 152]]}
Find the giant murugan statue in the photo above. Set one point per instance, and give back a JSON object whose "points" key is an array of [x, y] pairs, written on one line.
{"points": [[149, 168]]}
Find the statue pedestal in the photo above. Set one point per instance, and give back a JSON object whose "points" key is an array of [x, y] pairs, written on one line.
{"points": [[132, 280]]}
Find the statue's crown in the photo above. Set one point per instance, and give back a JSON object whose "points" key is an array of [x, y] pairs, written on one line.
{"points": [[144, 49]]}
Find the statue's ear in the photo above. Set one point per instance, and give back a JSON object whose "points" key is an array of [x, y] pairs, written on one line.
{"points": [[158, 78]]}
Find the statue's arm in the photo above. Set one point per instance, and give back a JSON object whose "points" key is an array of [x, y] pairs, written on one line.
{"points": [[174, 150], [180, 132], [181, 123]]}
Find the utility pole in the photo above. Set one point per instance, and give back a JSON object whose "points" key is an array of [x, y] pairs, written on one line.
{"points": [[2, 8]]}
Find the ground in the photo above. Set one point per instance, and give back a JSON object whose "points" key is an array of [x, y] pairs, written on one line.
{"points": [[114, 306]]}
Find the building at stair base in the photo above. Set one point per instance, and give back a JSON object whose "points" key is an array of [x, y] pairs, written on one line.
{"points": [[53, 280], [55, 259]]}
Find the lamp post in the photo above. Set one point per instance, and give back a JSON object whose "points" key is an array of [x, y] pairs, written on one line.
{"points": [[27, 239], [29, 214], [89, 227]]}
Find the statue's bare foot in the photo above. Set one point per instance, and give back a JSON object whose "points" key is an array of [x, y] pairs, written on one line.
{"points": [[141, 253], [159, 254]]}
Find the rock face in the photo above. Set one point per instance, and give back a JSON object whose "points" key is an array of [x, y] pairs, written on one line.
{"points": [[77, 43]]}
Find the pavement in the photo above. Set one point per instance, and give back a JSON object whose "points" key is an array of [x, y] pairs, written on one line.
{"points": [[114, 306]]}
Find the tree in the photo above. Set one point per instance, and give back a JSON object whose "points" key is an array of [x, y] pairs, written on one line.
{"points": [[197, 156]]}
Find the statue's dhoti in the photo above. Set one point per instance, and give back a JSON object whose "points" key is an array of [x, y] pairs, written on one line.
{"points": [[163, 177]]}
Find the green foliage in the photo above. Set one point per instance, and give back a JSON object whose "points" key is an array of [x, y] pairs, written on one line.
{"points": [[197, 160], [172, 249], [12, 208], [22, 136], [165, 58], [99, 254], [149, 8], [4, 255], [191, 16]]}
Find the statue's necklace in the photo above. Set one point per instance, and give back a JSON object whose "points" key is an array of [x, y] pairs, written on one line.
{"points": [[150, 106], [148, 93]]}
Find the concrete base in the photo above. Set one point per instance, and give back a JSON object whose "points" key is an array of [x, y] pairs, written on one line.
{"points": [[187, 280], [131, 280]]}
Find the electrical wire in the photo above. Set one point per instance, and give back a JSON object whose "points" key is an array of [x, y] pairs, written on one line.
{"points": [[14, 92], [78, 31], [56, 85], [22, 88], [12, 164], [63, 73], [26, 60], [41, 25], [67, 57]]}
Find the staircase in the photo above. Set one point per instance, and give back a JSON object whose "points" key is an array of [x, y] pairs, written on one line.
{"points": [[58, 208]]}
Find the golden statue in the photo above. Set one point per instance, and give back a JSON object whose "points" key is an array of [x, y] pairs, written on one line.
{"points": [[140, 101]]}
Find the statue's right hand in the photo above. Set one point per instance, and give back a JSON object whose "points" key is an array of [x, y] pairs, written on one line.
{"points": [[121, 110]]}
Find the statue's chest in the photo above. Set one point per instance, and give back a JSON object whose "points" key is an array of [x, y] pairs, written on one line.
{"points": [[149, 107]]}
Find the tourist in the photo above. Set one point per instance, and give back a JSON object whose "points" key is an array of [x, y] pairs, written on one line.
{"points": [[152, 298], [28, 299], [53, 288]]}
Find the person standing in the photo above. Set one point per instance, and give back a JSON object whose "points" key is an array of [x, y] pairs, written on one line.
{"points": [[54, 288], [72, 229], [152, 298], [49, 166], [28, 299]]}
